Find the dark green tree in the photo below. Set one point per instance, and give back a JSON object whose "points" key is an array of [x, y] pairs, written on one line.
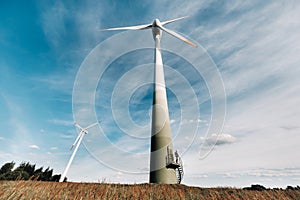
{"points": [[56, 178], [7, 167], [27, 167], [26, 171], [38, 173], [18, 174], [47, 174]]}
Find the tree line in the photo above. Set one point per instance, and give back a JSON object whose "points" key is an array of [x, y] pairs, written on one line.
{"points": [[27, 171]]}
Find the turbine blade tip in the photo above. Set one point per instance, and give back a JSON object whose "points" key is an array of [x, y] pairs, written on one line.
{"points": [[193, 44]]}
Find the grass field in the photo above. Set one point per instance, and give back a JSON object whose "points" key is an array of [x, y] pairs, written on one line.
{"points": [[54, 190]]}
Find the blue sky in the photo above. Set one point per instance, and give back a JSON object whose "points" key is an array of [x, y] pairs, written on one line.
{"points": [[46, 47]]}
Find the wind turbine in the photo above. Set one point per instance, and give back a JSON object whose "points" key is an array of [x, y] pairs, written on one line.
{"points": [[82, 133], [162, 165]]}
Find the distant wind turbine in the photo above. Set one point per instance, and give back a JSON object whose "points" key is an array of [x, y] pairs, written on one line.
{"points": [[83, 131], [162, 164]]}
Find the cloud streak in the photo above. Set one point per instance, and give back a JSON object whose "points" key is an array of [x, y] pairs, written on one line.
{"points": [[221, 139], [33, 146]]}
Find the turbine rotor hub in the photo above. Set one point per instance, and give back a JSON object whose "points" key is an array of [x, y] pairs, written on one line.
{"points": [[156, 31]]}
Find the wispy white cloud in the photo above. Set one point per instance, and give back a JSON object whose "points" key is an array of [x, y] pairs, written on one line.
{"points": [[61, 122], [172, 9], [64, 23], [57, 82], [202, 176], [172, 121], [228, 175], [33, 146], [53, 19], [6, 156], [216, 139], [67, 136]]}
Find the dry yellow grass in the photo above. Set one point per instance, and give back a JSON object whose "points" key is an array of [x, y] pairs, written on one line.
{"points": [[53, 190]]}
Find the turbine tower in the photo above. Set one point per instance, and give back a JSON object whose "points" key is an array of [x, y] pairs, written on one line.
{"points": [[163, 167]]}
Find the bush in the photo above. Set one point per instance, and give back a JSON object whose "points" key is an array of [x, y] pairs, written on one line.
{"points": [[256, 187]]}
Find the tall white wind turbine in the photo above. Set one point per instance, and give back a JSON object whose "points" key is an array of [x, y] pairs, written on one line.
{"points": [[82, 133], [163, 166]]}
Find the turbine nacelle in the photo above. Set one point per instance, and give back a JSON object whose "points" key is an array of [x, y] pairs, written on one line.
{"points": [[156, 31], [156, 23]]}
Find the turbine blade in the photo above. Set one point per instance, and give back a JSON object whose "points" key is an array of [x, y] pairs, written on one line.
{"points": [[173, 20], [90, 126], [79, 135], [177, 35], [77, 125], [138, 27]]}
